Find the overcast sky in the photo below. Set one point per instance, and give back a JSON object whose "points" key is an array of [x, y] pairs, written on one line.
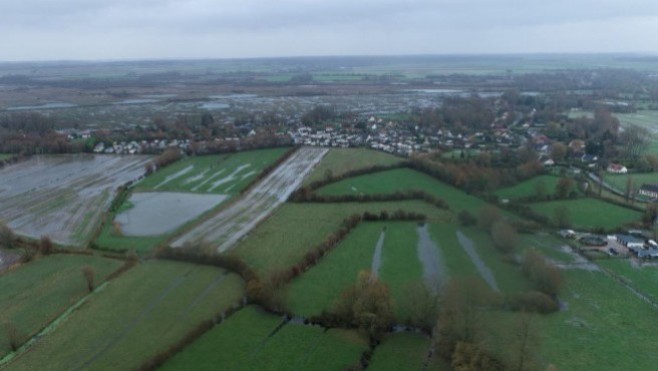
{"points": [[137, 29]]}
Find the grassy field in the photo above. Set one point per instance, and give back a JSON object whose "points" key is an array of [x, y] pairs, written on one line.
{"points": [[401, 179], [644, 279], [590, 213], [246, 341], [336, 272], [529, 187], [401, 351], [279, 242], [140, 313], [619, 181], [548, 244], [35, 294], [401, 268], [341, 160], [4, 156], [223, 174], [605, 326]]}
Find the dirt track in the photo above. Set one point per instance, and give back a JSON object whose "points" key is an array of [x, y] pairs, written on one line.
{"points": [[231, 224]]}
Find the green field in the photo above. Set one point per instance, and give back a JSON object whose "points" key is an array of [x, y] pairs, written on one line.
{"points": [[605, 327], [529, 187], [390, 181], [247, 341], [4, 156], [35, 294], [644, 279], [342, 160], [619, 181], [549, 245], [142, 312], [223, 174], [335, 273], [280, 242], [590, 213], [401, 351]]}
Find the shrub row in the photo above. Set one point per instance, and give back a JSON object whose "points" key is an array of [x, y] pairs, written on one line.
{"points": [[306, 196], [169, 156]]}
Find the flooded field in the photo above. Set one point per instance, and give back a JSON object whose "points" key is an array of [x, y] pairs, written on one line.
{"points": [[63, 196], [156, 213], [226, 228]]}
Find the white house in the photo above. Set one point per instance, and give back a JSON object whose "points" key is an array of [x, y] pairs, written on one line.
{"points": [[617, 169]]}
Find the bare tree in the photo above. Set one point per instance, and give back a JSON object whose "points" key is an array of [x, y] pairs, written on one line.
{"points": [[46, 245], [6, 236], [635, 141]]}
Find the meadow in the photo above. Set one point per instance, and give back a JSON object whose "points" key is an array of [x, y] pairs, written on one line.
{"points": [[29, 302], [590, 213], [401, 351], [638, 179], [343, 160], [529, 188], [142, 312], [253, 340], [387, 182]]}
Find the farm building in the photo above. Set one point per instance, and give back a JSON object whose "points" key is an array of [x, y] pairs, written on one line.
{"points": [[647, 254], [630, 241], [617, 169], [649, 190]]}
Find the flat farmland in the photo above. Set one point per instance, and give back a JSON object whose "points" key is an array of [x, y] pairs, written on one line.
{"points": [[29, 302], [221, 174], [401, 351], [390, 181], [342, 160], [253, 340], [589, 212], [231, 224], [139, 314], [63, 196], [620, 181], [281, 241], [529, 187]]}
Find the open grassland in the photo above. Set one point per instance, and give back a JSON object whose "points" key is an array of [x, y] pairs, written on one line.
{"points": [[222, 174], [530, 187], [35, 294], [620, 181], [642, 278], [589, 212], [284, 238], [248, 341], [142, 312], [401, 351], [401, 268], [549, 245], [342, 160], [605, 326], [4, 156], [337, 271], [63, 196], [227, 227], [390, 181]]}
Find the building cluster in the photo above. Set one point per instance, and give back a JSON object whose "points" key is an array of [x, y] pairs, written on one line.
{"points": [[135, 147]]}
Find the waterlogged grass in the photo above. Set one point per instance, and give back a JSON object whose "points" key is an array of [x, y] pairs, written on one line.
{"points": [[642, 278], [335, 273], [342, 160], [142, 312], [457, 261], [246, 341], [529, 187], [387, 182], [222, 174], [293, 229], [401, 351], [606, 327], [550, 246], [590, 213], [35, 294]]}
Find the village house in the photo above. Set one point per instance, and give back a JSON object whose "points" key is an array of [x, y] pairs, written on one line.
{"points": [[649, 190], [632, 243], [617, 169]]}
